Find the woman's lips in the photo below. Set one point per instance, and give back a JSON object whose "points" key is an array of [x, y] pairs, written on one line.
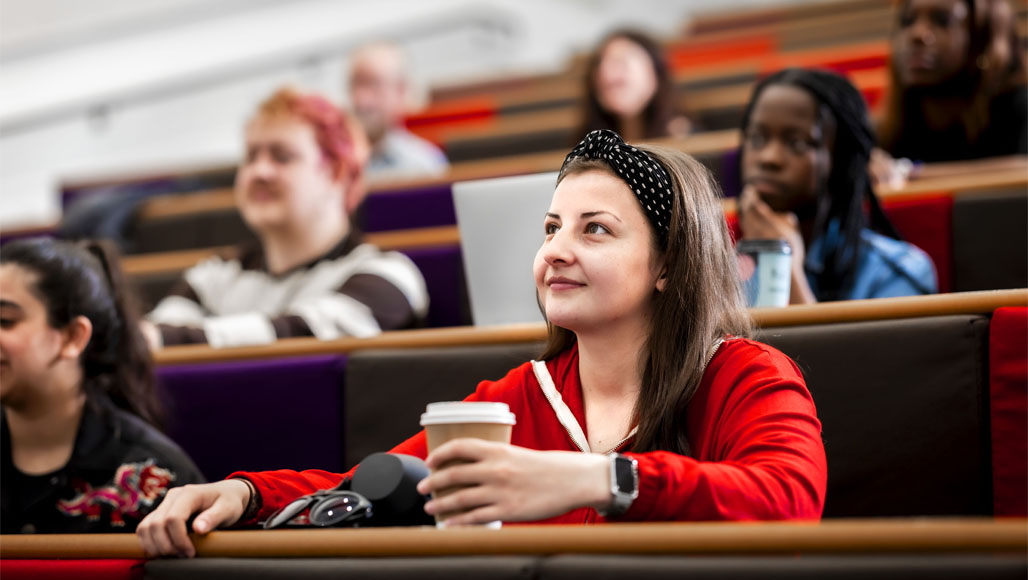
{"points": [[558, 283]]}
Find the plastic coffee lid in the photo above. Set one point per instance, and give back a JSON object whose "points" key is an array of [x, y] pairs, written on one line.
{"points": [[763, 247], [467, 412]]}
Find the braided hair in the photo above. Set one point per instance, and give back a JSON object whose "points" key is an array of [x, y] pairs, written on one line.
{"points": [[840, 215]]}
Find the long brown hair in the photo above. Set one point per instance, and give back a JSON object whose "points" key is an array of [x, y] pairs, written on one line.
{"points": [[700, 304], [657, 114], [995, 64]]}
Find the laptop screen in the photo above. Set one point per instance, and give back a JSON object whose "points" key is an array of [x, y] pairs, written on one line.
{"points": [[501, 228]]}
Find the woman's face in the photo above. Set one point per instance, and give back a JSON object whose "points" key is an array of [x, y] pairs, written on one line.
{"points": [[784, 156], [931, 43], [625, 79], [29, 346], [598, 266]]}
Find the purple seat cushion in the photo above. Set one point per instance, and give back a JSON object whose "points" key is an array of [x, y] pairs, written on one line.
{"points": [[443, 269], [416, 208], [257, 415]]}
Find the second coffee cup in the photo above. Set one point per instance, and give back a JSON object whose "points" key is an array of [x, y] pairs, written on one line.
{"points": [[459, 419]]}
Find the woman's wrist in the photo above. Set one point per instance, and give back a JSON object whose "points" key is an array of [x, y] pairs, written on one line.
{"points": [[596, 472], [252, 504]]}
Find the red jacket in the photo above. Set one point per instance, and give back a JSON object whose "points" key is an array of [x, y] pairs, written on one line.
{"points": [[754, 432]]}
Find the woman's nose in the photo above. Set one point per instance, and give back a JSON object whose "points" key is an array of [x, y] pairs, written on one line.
{"points": [[771, 154], [921, 32], [557, 249]]}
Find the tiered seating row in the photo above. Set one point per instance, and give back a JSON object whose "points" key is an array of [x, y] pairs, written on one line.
{"points": [[944, 217], [919, 415]]}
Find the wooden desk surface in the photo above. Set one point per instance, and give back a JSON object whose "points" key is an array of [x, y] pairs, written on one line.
{"points": [[982, 302], [834, 536]]}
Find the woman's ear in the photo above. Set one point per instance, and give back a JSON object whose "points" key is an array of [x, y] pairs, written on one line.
{"points": [[76, 337], [662, 279]]}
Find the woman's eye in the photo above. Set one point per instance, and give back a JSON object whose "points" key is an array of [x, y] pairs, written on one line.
{"points": [[550, 228], [595, 228]]}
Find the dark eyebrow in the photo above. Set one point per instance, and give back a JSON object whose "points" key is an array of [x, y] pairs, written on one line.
{"points": [[553, 215], [590, 214], [9, 304]]}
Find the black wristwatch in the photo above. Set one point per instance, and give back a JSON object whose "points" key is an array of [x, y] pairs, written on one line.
{"points": [[624, 484]]}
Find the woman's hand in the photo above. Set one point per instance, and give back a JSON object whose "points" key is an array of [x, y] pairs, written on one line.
{"points": [[163, 532], [511, 483], [887, 172], [759, 222]]}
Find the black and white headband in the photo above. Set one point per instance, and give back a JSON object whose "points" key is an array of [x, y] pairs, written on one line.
{"points": [[644, 175]]}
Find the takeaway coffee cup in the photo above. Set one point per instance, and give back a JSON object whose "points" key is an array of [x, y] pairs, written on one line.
{"points": [[453, 420], [765, 267]]}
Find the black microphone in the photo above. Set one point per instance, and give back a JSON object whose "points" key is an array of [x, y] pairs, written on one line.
{"points": [[390, 481]]}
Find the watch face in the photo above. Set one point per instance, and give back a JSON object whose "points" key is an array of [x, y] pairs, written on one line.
{"points": [[623, 473]]}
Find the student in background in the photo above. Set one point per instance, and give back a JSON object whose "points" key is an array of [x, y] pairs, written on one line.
{"points": [[804, 158], [646, 369], [629, 90], [310, 275], [79, 447], [958, 81], [380, 93]]}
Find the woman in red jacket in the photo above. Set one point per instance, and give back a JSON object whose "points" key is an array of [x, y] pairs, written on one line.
{"points": [[648, 403]]}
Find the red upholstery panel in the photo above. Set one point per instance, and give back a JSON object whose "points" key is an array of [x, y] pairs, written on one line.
{"points": [[927, 222], [73, 569], [1008, 390]]}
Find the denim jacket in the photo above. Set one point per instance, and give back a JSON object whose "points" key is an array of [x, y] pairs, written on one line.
{"points": [[884, 268]]}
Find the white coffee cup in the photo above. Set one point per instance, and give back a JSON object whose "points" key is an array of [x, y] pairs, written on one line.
{"points": [[456, 419], [765, 270]]}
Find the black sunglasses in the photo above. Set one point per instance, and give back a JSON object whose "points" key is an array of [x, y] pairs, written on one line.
{"points": [[328, 507]]}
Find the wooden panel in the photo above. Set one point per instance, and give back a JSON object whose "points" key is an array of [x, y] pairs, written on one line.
{"points": [[984, 302], [161, 262], [839, 536]]}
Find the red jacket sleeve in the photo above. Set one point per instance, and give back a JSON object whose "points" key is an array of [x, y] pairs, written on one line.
{"points": [[757, 447]]}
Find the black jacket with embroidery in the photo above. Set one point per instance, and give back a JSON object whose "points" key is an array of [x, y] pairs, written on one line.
{"points": [[118, 472]]}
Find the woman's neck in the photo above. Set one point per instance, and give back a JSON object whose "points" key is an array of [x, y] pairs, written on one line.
{"points": [[43, 429], [285, 250], [610, 362], [940, 113]]}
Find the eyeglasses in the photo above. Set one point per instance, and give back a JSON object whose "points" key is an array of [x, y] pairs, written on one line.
{"points": [[327, 507], [794, 144]]}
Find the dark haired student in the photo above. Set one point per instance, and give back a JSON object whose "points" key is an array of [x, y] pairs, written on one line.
{"points": [[647, 372], [79, 450], [806, 145], [629, 89], [958, 82]]}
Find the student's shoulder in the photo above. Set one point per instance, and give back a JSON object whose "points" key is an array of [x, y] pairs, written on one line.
{"points": [[738, 355], [143, 441], [897, 254]]}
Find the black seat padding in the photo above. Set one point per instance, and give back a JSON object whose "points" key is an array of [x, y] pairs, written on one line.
{"points": [[470, 567], [904, 413], [812, 567], [902, 402], [990, 241], [387, 390]]}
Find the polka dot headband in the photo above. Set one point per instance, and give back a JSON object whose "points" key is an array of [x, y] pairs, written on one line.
{"points": [[644, 175]]}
